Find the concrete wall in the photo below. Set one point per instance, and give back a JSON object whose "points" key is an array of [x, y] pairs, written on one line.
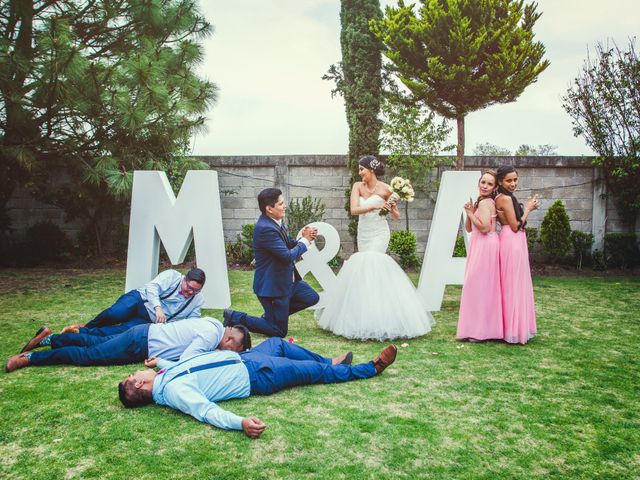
{"points": [[574, 180]]}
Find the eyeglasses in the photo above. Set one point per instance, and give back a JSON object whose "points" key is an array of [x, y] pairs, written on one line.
{"points": [[191, 289]]}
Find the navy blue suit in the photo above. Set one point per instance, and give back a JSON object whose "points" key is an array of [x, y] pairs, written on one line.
{"points": [[276, 364], [276, 282]]}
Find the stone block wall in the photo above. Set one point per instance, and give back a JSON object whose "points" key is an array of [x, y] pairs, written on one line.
{"points": [[574, 180]]}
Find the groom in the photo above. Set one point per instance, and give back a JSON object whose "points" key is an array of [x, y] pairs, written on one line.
{"points": [[276, 282]]}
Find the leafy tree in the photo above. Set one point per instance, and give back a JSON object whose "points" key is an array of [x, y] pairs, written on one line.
{"points": [[358, 79], [413, 137], [555, 231], [604, 104], [524, 150], [91, 91], [491, 150], [459, 56], [539, 151]]}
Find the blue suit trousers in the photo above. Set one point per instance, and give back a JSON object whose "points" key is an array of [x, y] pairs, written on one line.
{"points": [[82, 349], [276, 364], [127, 312], [275, 320]]}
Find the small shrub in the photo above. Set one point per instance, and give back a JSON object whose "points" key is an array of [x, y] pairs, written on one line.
{"points": [[43, 242], [404, 244], [582, 243], [460, 250], [555, 232], [241, 251], [233, 251], [621, 250], [336, 262], [302, 212], [533, 237]]}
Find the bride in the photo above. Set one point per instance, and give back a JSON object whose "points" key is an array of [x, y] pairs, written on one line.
{"points": [[373, 298]]}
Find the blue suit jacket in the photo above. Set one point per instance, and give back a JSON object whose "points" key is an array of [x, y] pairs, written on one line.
{"points": [[275, 257]]}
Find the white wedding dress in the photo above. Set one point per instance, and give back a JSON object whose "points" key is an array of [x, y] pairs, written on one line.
{"points": [[373, 298]]}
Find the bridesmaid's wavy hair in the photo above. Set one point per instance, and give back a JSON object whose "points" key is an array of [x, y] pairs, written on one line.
{"points": [[372, 163], [503, 171], [493, 194]]}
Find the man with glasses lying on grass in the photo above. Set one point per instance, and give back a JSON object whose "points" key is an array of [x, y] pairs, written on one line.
{"points": [[194, 385], [173, 341], [169, 297]]}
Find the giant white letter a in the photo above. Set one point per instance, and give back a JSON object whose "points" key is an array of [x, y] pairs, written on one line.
{"points": [[439, 267], [156, 214]]}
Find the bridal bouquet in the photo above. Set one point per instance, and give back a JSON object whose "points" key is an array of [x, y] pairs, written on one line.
{"points": [[401, 190]]}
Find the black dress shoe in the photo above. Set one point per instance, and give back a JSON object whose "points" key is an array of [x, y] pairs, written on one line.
{"points": [[348, 358], [37, 338], [226, 318]]}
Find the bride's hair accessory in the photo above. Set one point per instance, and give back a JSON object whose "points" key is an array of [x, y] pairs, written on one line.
{"points": [[372, 163]]}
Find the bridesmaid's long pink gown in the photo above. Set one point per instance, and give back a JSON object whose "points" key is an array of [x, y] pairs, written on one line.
{"points": [[518, 310], [480, 305]]}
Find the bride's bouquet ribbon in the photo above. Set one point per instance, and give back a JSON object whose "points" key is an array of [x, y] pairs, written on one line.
{"points": [[401, 190]]}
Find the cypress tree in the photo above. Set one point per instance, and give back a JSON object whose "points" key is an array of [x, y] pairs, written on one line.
{"points": [[358, 79]]}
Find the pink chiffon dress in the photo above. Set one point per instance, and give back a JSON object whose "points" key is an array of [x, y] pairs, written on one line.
{"points": [[518, 310], [480, 315]]}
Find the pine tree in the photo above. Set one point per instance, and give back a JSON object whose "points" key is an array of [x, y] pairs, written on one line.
{"points": [[91, 91]]}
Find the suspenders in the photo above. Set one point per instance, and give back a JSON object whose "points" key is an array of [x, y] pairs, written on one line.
{"points": [[164, 297], [206, 367]]}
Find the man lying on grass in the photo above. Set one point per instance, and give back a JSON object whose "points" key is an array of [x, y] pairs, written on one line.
{"points": [[173, 341], [193, 385]]}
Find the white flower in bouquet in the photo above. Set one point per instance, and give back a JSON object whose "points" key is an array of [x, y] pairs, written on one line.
{"points": [[401, 189]]}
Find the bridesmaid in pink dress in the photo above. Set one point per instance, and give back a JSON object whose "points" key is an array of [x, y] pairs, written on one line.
{"points": [[518, 310], [480, 305]]}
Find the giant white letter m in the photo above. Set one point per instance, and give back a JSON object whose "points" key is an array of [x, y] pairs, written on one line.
{"points": [[157, 215]]}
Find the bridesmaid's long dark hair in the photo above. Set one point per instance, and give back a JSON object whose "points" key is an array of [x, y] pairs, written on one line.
{"points": [[503, 171]]}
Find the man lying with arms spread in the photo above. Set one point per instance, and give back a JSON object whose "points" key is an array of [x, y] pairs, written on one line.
{"points": [[195, 384]]}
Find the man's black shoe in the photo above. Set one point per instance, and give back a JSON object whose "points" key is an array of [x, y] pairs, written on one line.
{"points": [[348, 358], [226, 318]]}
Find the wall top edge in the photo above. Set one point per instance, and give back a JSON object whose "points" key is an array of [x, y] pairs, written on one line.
{"points": [[341, 160]]}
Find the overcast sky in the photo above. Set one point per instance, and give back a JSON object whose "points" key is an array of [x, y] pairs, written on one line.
{"points": [[268, 56]]}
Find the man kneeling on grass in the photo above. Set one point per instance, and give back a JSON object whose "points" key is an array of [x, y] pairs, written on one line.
{"points": [[173, 341], [193, 385]]}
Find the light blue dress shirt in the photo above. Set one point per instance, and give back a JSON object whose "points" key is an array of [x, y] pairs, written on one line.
{"points": [[162, 285], [196, 393], [184, 339]]}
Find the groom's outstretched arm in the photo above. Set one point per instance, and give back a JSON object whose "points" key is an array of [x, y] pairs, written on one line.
{"points": [[270, 240]]}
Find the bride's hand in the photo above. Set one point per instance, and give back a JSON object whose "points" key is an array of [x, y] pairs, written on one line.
{"points": [[388, 206]]}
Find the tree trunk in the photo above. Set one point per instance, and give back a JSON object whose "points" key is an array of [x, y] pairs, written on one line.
{"points": [[406, 214], [460, 148]]}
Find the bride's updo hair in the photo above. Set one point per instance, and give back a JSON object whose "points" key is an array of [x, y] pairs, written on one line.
{"points": [[372, 163]]}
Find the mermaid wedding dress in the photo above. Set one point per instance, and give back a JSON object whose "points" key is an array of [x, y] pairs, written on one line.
{"points": [[373, 298]]}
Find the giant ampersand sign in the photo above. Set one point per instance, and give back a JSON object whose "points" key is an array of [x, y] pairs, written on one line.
{"points": [[157, 215]]}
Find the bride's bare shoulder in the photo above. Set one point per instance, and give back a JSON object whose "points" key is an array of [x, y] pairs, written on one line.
{"points": [[383, 190]]}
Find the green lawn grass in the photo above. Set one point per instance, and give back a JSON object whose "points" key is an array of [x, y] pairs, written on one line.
{"points": [[564, 406]]}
